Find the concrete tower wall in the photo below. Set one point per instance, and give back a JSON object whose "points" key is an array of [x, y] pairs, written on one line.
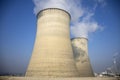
{"points": [[52, 55], [80, 50]]}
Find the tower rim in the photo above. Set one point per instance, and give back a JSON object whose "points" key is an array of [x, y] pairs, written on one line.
{"points": [[79, 38], [53, 8]]}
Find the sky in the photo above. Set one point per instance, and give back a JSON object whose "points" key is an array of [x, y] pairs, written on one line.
{"points": [[97, 20]]}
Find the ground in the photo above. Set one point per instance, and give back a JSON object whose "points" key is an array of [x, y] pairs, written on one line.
{"points": [[38, 78]]}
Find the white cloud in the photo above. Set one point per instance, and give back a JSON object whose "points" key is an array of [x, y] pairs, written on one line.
{"points": [[69, 5], [82, 29], [101, 2], [82, 21], [85, 26]]}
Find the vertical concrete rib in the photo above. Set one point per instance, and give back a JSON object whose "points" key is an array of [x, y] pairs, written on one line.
{"points": [[80, 50], [52, 55]]}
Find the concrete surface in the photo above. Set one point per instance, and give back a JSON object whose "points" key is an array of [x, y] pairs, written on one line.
{"points": [[80, 50]]}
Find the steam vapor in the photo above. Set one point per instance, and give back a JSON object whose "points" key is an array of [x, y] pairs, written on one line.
{"points": [[81, 19]]}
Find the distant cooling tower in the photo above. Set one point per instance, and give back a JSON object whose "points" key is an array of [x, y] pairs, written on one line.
{"points": [[52, 55], [80, 50]]}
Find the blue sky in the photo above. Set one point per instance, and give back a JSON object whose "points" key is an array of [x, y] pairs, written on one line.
{"points": [[18, 30]]}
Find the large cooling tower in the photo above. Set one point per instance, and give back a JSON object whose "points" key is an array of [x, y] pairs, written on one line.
{"points": [[80, 50], [52, 55]]}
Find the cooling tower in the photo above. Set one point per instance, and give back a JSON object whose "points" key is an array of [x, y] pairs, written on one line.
{"points": [[80, 51], [52, 55]]}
